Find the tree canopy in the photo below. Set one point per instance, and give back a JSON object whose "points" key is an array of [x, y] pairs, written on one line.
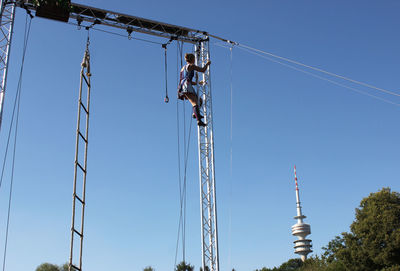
{"points": [[183, 266], [373, 242]]}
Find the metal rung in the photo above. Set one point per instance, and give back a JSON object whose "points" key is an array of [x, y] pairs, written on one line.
{"points": [[75, 267], [82, 136], [84, 108], [87, 82], [79, 165], [76, 196], [78, 233]]}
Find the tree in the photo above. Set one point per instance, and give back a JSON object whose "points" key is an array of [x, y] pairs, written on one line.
{"points": [[64, 267], [148, 268], [47, 267], [374, 239], [290, 265], [182, 266]]}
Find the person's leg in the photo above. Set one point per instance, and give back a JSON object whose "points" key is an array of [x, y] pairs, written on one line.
{"points": [[196, 110]]}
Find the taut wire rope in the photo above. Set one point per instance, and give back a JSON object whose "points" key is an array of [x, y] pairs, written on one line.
{"points": [[17, 102], [231, 160], [182, 186], [314, 75], [323, 78], [179, 160], [319, 70]]}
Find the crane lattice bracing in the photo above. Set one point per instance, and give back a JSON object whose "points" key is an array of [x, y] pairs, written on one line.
{"points": [[209, 234], [6, 26], [94, 16]]}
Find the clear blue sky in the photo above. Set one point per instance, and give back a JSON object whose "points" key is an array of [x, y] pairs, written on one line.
{"points": [[345, 145]]}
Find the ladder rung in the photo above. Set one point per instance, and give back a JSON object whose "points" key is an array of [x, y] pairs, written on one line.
{"points": [[84, 108], [76, 196], [82, 136], [79, 165], [78, 233], [75, 267], [87, 82]]}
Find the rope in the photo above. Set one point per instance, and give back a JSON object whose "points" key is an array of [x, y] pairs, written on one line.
{"points": [[323, 78], [316, 76], [182, 187], [231, 161], [166, 99], [16, 104], [121, 35], [320, 70]]}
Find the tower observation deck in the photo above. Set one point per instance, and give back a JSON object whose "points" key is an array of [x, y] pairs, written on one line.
{"points": [[302, 246]]}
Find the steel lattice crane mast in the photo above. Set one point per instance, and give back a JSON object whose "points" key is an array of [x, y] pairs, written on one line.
{"points": [[95, 16]]}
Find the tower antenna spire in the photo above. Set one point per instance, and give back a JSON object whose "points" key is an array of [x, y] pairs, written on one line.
{"points": [[302, 246]]}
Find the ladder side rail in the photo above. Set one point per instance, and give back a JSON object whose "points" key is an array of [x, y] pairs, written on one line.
{"points": [[7, 18], [77, 166], [88, 86], [75, 173]]}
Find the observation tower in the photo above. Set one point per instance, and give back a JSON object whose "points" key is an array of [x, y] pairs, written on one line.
{"points": [[302, 246]]}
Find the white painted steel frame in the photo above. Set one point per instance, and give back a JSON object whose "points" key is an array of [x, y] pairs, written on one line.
{"points": [[7, 16], [209, 229]]}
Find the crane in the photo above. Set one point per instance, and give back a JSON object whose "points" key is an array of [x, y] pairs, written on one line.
{"points": [[64, 10]]}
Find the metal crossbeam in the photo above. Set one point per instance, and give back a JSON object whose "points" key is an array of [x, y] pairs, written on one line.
{"points": [[82, 13]]}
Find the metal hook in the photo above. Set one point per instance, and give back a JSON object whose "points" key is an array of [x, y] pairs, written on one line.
{"points": [[129, 30]]}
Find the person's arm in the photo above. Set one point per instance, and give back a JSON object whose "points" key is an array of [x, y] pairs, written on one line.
{"points": [[203, 69]]}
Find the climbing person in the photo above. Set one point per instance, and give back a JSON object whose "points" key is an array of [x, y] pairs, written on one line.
{"points": [[185, 88]]}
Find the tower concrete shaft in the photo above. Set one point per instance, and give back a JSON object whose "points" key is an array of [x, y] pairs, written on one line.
{"points": [[302, 246]]}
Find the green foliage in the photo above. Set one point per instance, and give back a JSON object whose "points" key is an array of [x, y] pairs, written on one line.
{"points": [[374, 239], [320, 264], [183, 266], [64, 267], [47, 267], [148, 268], [53, 267], [291, 265]]}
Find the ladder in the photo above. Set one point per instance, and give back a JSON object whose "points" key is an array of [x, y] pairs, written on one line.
{"points": [[80, 171]]}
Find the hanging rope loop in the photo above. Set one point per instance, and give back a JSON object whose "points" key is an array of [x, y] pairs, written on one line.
{"points": [[166, 99]]}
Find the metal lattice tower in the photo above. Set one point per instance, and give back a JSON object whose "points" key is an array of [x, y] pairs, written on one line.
{"points": [[6, 24], [80, 169], [302, 246], [209, 230]]}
